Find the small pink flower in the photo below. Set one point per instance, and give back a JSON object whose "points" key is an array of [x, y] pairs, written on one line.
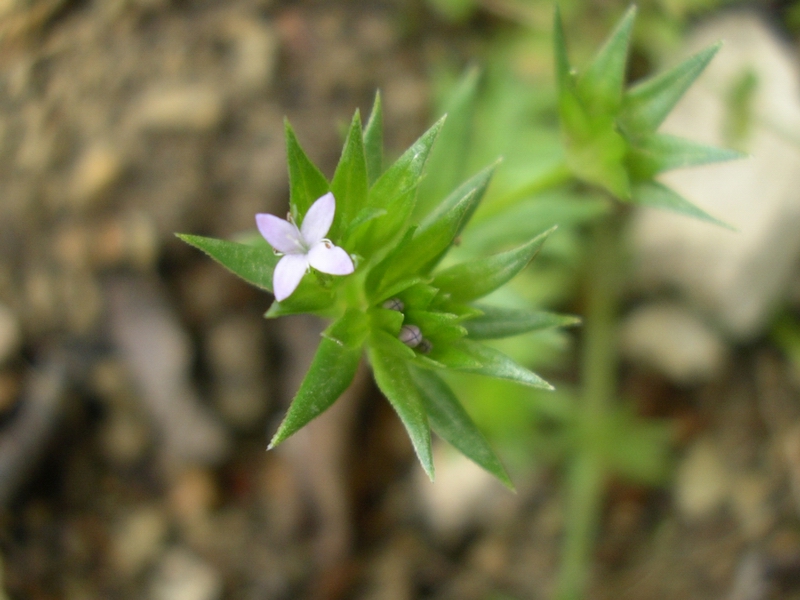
{"points": [[304, 247]]}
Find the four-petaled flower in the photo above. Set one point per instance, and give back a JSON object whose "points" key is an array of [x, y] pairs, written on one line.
{"points": [[304, 247]]}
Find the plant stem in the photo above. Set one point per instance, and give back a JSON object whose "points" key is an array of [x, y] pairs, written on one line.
{"points": [[586, 474]]}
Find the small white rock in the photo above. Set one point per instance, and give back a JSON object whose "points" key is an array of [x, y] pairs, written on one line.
{"points": [[184, 576], [190, 108], [702, 484], [736, 277], [138, 539], [98, 168], [670, 339], [463, 496]]}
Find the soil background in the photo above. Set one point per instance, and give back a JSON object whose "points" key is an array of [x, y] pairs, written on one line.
{"points": [[139, 383]]}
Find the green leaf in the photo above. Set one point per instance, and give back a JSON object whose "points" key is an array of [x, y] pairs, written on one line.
{"points": [[253, 263], [496, 364], [306, 182], [394, 380], [436, 233], [452, 423], [330, 374], [564, 74], [646, 105], [601, 84], [373, 140], [661, 152], [652, 193], [349, 185], [474, 279], [406, 171], [448, 159], [497, 322], [440, 327]]}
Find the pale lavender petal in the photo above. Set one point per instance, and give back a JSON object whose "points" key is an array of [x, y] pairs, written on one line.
{"points": [[318, 219], [281, 235], [288, 273], [330, 259]]}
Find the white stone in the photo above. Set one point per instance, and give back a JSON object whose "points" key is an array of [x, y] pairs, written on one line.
{"points": [[670, 339], [184, 576], [735, 277], [173, 108], [702, 484], [463, 496]]}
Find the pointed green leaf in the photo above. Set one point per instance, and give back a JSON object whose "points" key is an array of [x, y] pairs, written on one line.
{"points": [[646, 105], [440, 327], [349, 185], [452, 423], [373, 140], [330, 374], [497, 322], [600, 85], [406, 171], [496, 364], [661, 152], [253, 263], [423, 247], [306, 182], [448, 159], [563, 69], [652, 193], [474, 279], [394, 380]]}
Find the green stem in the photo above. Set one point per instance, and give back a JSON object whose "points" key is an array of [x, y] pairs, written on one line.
{"points": [[599, 372]]}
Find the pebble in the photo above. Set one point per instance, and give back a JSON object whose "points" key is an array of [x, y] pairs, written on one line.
{"points": [[738, 278], [138, 539], [191, 108], [192, 495], [255, 53], [124, 438], [182, 575], [750, 497], [10, 334], [672, 340], [96, 170], [702, 483], [463, 497]]}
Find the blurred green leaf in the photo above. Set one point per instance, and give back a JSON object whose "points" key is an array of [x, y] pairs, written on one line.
{"points": [[448, 160], [647, 104], [661, 152], [657, 195], [601, 84]]}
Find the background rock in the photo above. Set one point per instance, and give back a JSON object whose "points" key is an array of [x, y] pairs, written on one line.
{"points": [[737, 278]]}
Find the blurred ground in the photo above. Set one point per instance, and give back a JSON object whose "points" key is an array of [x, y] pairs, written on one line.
{"points": [[139, 383]]}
